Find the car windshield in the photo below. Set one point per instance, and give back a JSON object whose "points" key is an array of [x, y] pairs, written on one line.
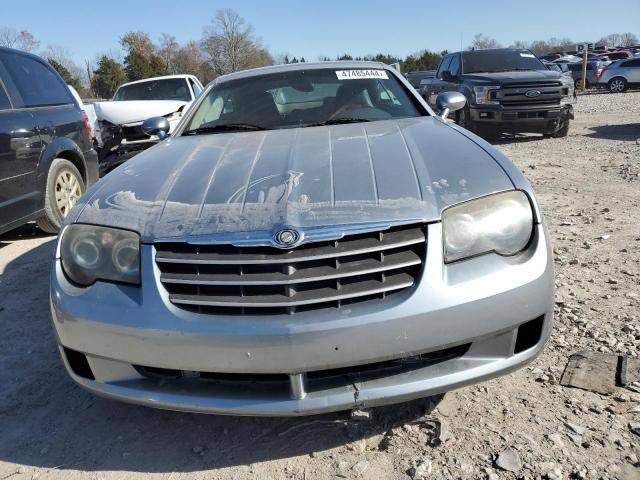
{"points": [[480, 61], [166, 89], [302, 98]]}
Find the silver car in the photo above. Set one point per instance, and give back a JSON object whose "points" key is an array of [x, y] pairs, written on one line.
{"points": [[310, 238], [619, 76]]}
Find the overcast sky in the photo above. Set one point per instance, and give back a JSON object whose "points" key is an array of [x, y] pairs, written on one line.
{"points": [[327, 27]]}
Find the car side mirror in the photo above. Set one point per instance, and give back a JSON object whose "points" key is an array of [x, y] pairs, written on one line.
{"points": [[447, 102], [156, 126], [446, 76]]}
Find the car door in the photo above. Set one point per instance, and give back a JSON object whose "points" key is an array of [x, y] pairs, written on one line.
{"points": [[438, 83], [20, 147], [632, 70]]}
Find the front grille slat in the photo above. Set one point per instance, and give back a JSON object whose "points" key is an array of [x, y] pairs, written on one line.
{"points": [[393, 261], [224, 279], [361, 289], [244, 256]]}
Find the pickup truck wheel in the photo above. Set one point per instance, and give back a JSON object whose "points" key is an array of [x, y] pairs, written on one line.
{"points": [[563, 132], [617, 85], [463, 118], [64, 187]]}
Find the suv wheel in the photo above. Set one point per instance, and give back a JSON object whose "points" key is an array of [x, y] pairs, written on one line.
{"points": [[64, 187], [617, 85]]}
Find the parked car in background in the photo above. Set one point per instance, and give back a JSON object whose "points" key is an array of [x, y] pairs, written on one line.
{"points": [[619, 76], [619, 55], [594, 70], [415, 78], [567, 59], [46, 157], [507, 90], [550, 57], [118, 131], [311, 238]]}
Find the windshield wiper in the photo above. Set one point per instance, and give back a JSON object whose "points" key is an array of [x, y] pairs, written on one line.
{"points": [[224, 127], [338, 121]]}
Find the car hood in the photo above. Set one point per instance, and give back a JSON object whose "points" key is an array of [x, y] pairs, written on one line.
{"points": [[134, 111], [385, 172], [515, 77]]}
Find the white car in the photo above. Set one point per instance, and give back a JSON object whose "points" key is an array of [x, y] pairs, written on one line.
{"points": [[118, 129]]}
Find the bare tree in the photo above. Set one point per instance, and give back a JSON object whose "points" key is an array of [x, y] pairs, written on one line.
{"points": [[481, 42], [21, 40], [167, 50], [188, 59], [520, 44], [230, 45], [64, 57], [619, 39]]}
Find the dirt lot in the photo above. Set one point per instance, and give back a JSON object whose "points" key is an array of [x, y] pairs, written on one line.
{"points": [[523, 426]]}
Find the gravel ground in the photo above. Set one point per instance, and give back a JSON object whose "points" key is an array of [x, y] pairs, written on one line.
{"points": [[521, 426]]}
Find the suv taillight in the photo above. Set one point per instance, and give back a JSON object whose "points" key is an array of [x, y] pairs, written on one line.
{"points": [[88, 129], [600, 71]]}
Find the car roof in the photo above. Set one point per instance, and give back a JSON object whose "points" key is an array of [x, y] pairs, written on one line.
{"points": [[292, 67], [496, 50], [164, 77]]}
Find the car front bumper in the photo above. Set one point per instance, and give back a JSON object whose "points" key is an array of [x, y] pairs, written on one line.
{"points": [[473, 308], [536, 120]]}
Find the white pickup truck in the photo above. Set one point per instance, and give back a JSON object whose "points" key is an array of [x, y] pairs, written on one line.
{"points": [[118, 123]]}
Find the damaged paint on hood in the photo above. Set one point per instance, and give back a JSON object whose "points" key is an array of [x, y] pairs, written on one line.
{"points": [[387, 171]]}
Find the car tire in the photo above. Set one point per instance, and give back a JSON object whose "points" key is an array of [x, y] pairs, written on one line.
{"points": [[560, 133], [578, 84], [462, 119], [63, 189], [617, 85]]}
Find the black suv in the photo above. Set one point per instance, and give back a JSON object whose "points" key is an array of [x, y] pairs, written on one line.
{"points": [[507, 90], [46, 157]]}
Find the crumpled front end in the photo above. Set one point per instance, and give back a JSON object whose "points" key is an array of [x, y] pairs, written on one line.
{"points": [[117, 143]]}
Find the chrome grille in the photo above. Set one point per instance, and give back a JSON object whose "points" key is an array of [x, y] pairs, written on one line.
{"points": [[224, 279], [513, 94]]}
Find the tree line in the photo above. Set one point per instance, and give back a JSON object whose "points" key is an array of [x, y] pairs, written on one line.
{"points": [[228, 44]]}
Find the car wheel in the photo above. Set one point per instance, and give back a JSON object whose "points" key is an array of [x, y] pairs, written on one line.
{"points": [[64, 187], [562, 132], [463, 118], [578, 84], [617, 85]]}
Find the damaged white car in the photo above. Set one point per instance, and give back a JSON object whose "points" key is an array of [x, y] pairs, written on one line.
{"points": [[118, 126]]}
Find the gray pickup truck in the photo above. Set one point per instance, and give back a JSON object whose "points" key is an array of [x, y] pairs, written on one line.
{"points": [[508, 90]]}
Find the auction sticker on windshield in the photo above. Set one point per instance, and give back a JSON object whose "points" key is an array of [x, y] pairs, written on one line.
{"points": [[357, 74]]}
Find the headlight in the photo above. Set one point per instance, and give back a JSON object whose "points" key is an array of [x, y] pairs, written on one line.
{"points": [[500, 223], [91, 253], [486, 95], [568, 89]]}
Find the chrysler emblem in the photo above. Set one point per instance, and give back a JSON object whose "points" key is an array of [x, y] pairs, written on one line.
{"points": [[286, 238], [532, 93]]}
